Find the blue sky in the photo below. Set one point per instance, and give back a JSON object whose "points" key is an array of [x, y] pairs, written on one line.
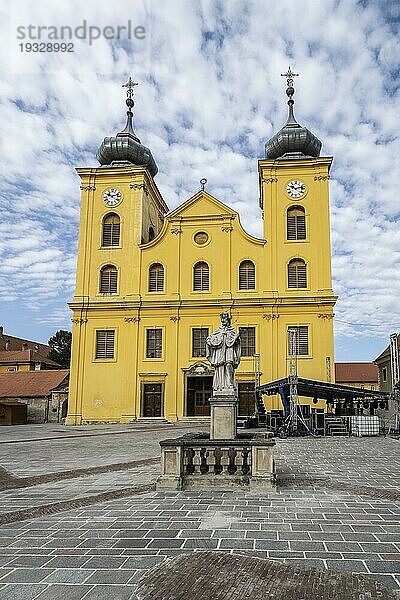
{"points": [[210, 95]]}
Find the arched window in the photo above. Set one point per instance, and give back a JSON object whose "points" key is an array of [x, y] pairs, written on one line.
{"points": [[297, 273], [296, 223], [247, 275], [111, 230], [156, 278], [201, 276], [108, 280]]}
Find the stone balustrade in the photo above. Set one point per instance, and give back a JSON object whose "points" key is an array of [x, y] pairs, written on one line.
{"points": [[196, 462]]}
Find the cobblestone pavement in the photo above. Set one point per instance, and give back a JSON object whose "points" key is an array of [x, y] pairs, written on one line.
{"points": [[337, 507]]}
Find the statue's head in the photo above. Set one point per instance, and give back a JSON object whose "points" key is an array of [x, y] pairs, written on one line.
{"points": [[225, 318]]}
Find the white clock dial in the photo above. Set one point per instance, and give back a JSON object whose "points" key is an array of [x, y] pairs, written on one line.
{"points": [[112, 196], [295, 188]]}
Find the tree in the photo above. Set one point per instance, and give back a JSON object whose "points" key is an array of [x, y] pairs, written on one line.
{"points": [[60, 345]]}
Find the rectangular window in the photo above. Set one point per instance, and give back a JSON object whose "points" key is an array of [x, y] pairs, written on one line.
{"points": [[105, 343], [248, 340], [372, 387], [384, 374], [199, 336], [154, 343], [299, 343]]}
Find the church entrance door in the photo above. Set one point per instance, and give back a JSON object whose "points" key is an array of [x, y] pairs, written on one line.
{"points": [[198, 391]]}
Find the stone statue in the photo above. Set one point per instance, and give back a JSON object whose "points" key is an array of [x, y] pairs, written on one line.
{"points": [[223, 352]]}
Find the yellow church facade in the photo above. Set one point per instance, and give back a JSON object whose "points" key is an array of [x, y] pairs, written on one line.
{"points": [[151, 284]]}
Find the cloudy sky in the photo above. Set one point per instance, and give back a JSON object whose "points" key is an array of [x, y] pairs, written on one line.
{"points": [[210, 95]]}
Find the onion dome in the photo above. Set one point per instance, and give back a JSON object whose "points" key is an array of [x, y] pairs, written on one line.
{"points": [[293, 140], [125, 148]]}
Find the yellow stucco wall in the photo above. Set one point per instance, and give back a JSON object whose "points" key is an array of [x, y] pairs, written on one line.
{"points": [[110, 389]]}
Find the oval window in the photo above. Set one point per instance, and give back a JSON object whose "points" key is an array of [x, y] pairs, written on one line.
{"points": [[201, 238]]}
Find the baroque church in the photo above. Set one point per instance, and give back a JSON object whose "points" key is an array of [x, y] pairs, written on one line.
{"points": [[151, 283]]}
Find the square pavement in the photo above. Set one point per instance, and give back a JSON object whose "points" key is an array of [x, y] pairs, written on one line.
{"points": [[336, 507]]}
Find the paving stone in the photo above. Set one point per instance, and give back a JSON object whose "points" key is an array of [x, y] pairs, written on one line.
{"points": [[111, 592], [143, 562], [237, 544], [343, 546], [67, 562], [29, 561], [64, 592], [271, 545], [383, 566], [135, 543], [22, 591], [110, 576], [68, 576], [131, 533], [353, 566], [165, 543], [105, 562], [26, 575], [306, 546], [196, 533]]}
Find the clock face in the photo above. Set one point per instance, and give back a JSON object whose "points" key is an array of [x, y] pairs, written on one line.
{"points": [[295, 188], [112, 197]]}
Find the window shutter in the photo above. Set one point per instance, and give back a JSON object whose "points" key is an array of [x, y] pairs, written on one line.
{"points": [[108, 280], [201, 277], [301, 338], [156, 278], [111, 231], [105, 343], [297, 274], [247, 275], [296, 223]]}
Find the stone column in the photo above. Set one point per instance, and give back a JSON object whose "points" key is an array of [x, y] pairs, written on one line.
{"points": [[223, 417]]}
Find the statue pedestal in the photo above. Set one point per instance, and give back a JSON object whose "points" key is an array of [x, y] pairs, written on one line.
{"points": [[223, 417]]}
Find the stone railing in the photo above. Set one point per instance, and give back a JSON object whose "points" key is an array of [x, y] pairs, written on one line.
{"points": [[196, 462]]}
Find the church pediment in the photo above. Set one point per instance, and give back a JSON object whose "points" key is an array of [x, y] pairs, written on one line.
{"points": [[200, 205]]}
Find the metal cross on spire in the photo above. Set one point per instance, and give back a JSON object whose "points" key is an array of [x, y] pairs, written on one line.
{"points": [[130, 85], [129, 93], [289, 76]]}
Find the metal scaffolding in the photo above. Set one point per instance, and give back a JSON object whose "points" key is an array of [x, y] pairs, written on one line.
{"points": [[293, 398]]}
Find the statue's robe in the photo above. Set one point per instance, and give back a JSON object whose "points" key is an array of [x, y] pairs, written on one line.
{"points": [[223, 352]]}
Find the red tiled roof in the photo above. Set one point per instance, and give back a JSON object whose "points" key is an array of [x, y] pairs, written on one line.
{"points": [[25, 384], [356, 372], [15, 343], [24, 356]]}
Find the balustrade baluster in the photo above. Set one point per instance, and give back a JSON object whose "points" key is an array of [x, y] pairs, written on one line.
{"points": [[225, 461], [211, 460], [239, 460], [197, 461]]}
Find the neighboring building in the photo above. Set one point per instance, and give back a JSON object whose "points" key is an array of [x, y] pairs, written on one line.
{"points": [[357, 374], [17, 354], [25, 360], [389, 381], [384, 364], [44, 392], [150, 286]]}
